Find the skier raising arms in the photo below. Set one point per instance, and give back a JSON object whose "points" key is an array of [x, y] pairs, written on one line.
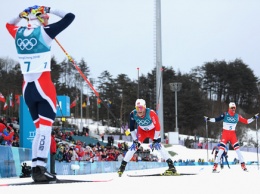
{"points": [[148, 126], [230, 120], [33, 44]]}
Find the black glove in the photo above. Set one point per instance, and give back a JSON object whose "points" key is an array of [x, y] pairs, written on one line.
{"points": [[256, 116], [206, 118], [24, 15], [135, 146]]}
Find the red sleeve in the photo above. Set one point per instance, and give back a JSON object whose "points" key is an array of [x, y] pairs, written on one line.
{"points": [[8, 137], [242, 120], [12, 29], [155, 120], [53, 146]]}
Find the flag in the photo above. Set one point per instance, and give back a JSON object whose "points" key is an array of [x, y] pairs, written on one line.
{"points": [[17, 98], [11, 104], [88, 102], [109, 104], [9, 101], [99, 103], [6, 103], [2, 98], [73, 104]]}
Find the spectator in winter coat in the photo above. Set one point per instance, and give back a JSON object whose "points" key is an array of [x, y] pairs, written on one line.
{"points": [[59, 154], [53, 151], [74, 156], [67, 155], [5, 137]]}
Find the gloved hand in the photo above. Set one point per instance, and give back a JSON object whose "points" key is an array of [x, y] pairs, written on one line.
{"points": [[136, 144], [256, 116], [29, 9], [156, 144], [206, 118], [40, 10], [24, 15]]}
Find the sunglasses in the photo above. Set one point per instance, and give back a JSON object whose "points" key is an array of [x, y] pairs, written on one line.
{"points": [[233, 108]]}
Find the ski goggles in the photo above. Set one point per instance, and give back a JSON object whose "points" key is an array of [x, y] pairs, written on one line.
{"points": [[43, 16], [140, 108]]}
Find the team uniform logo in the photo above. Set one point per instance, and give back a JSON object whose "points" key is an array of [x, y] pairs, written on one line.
{"points": [[26, 44], [145, 123], [33, 53], [230, 122]]}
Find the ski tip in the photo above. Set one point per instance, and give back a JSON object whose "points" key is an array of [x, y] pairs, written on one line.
{"points": [[108, 180], [58, 181], [3, 185]]}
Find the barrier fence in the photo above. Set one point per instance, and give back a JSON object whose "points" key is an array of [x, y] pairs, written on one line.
{"points": [[12, 159]]}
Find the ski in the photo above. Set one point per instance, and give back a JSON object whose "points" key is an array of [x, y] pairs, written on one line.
{"points": [[58, 181], [158, 174]]}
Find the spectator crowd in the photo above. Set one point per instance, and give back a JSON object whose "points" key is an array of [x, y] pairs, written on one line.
{"points": [[9, 135], [97, 153]]}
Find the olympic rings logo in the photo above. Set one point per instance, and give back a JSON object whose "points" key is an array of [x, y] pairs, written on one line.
{"points": [[26, 43], [231, 120], [144, 122]]}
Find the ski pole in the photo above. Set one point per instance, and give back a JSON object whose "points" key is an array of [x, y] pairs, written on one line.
{"points": [[257, 142], [227, 161], [207, 137], [72, 61], [79, 70]]}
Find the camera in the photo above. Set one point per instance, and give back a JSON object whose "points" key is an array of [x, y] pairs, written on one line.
{"points": [[26, 171]]}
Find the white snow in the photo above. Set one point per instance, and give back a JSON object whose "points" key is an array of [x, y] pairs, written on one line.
{"points": [[232, 180]]}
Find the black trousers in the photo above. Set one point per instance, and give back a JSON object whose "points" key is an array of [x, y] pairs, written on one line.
{"points": [[52, 161]]}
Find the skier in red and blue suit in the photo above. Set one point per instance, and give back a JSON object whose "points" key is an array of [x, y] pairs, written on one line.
{"points": [[33, 45], [230, 120], [144, 123]]}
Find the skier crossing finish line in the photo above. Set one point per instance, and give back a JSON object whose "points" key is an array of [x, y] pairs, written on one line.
{"points": [[148, 126], [230, 120]]}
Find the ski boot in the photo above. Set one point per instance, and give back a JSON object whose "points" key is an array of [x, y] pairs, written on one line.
{"points": [[40, 174], [121, 168], [171, 171], [214, 170], [33, 172], [243, 166]]}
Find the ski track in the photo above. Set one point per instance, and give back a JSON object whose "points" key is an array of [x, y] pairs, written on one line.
{"points": [[233, 179]]}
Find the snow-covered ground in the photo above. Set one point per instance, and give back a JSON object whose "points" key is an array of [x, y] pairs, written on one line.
{"points": [[228, 180], [185, 153], [232, 180], [196, 154]]}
